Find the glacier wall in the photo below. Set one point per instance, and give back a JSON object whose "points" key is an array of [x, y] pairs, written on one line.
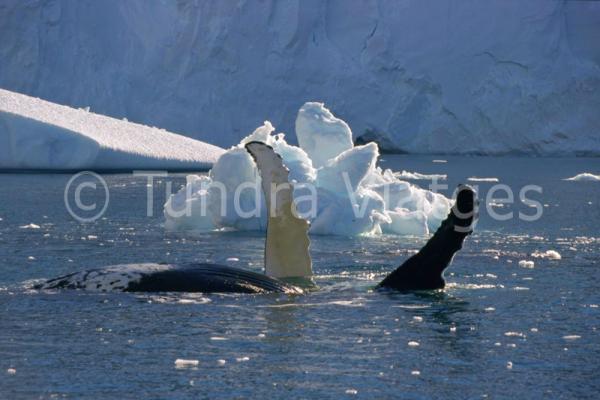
{"points": [[491, 77]]}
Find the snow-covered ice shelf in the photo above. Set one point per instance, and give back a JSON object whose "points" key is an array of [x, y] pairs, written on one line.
{"points": [[37, 134]]}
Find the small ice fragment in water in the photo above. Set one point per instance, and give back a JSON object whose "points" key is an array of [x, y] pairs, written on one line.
{"points": [[419, 177], [526, 264], [571, 337], [31, 258], [11, 371], [92, 237], [351, 391], [440, 161], [413, 343], [477, 179], [242, 359], [534, 329], [221, 362], [415, 372], [549, 254], [490, 309], [182, 363], [452, 329], [218, 338], [514, 334], [509, 365], [586, 176], [418, 319], [30, 226], [233, 259]]}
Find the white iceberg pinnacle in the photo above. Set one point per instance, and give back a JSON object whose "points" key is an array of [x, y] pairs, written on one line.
{"points": [[37, 134], [353, 195]]}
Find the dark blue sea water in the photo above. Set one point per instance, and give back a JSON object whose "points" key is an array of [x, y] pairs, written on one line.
{"points": [[499, 330]]}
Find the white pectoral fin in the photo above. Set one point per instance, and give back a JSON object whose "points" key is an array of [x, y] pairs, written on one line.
{"points": [[287, 246]]}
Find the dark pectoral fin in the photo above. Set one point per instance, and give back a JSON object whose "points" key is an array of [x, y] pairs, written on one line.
{"points": [[424, 270]]}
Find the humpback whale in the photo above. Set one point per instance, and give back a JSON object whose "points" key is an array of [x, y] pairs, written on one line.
{"points": [[287, 255]]}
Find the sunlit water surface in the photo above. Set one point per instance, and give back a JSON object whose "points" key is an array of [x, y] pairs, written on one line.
{"points": [[498, 329]]}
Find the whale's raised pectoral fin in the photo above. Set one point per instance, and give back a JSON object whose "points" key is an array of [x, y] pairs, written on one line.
{"points": [[287, 245], [425, 270]]}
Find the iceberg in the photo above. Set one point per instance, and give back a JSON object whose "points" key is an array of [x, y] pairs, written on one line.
{"points": [[345, 193], [37, 134]]}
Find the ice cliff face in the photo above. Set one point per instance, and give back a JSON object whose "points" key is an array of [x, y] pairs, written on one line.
{"points": [[453, 77]]}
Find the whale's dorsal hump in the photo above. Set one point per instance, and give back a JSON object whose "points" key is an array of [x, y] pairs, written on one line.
{"points": [[287, 245]]}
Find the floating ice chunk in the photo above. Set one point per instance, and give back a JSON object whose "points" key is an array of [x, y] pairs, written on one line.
{"points": [[526, 264], [549, 254], [413, 343], [11, 371], [30, 226], [320, 134], [418, 176], [515, 334], [586, 176], [477, 179], [183, 363], [571, 337]]}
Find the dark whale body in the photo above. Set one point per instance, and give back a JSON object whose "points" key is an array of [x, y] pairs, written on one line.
{"points": [[205, 278]]}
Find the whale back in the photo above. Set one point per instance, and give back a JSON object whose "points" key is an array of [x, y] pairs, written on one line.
{"points": [[204, 278]]}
